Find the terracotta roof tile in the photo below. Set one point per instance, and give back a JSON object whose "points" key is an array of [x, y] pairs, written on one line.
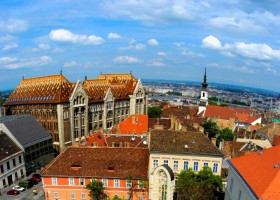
{"points": [[134, 124], [95, 162], [174, 142], [261, 172], [166, 123]]}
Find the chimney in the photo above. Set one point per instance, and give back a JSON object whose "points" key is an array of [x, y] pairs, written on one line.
{"points": [[214, 140], [133, 119]]}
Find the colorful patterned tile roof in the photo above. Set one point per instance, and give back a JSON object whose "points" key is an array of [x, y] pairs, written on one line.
{"points": [[45, 89]]}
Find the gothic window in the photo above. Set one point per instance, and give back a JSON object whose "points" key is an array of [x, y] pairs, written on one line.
{"points": [[162, 185], [109, 114]]}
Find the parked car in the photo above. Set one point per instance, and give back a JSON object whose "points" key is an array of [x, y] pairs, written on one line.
{"points": [[36, 177], [26, 184], [18, 188], [12, 192]]}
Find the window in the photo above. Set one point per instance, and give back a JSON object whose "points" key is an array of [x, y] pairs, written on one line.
{"points": [[165, 162], [155, 164], [215, 167], [8, 165], [54, 181], [72, 195], [55, 195], [239, 195], [128, 184], [14, 162], [82, 181], [186, 165], [71, 181], [4, 182], [195, 166], [105, 182], [231, 185], [140, 198], [205, 164], [83, 196], [141, 184], [176, 164], [116, 183], [2, 168]]}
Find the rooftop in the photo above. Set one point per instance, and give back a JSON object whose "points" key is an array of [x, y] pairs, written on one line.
{"points": [[7, 146], [261, 172], [95, 162], [25, 128], [167, 141]]}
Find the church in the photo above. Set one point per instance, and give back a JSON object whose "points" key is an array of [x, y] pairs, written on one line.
{"points": [[69, 111]]}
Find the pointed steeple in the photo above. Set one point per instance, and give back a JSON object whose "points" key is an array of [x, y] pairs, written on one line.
{"points": [[204, 84]]}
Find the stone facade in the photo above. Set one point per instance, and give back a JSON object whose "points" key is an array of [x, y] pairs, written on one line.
{"points": [[69, 111]]}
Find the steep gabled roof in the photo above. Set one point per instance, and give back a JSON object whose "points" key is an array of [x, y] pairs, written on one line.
{"points": [[261, 172], [99, 162], [121, 86], [25, 128], [167, 141], [7, 147], [44, 89]]}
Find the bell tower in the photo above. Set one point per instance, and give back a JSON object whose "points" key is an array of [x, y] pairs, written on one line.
{"points": [[203, 102]]}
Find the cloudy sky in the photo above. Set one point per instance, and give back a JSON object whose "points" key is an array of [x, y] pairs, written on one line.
{"points": [[237, 41]]}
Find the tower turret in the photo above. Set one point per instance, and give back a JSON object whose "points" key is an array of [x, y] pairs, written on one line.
{"points": [[203, 102]]}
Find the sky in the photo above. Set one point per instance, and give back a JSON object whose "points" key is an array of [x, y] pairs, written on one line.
{"points": [[238, 41]]}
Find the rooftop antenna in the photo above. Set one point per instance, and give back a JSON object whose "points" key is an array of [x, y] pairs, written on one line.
{"points": [[22, 77], [130, 71], [61, 72], [85, 78]]}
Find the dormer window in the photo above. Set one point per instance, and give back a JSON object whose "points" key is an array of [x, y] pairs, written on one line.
{"points": [[76, 167]]}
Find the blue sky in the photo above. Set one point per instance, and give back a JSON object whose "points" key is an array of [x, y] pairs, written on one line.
{"points": [[237, 41]]}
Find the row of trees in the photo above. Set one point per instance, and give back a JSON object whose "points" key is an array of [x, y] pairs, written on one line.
{"points": [[213, 130], [189, 185]]}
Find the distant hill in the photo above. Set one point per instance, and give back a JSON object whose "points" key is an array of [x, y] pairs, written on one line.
{"points": [[233, 88]]}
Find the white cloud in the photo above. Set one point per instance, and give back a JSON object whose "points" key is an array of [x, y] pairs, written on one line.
{"points": [[15, 63], [161, 53], [126, 59], [133, 46], [234, 24], [13, 26], [7, 60], [113, 36], [70, 64], [211, 42], [153, 42], [44, 46], [8, 47], [189, 53], [66, 36], [157, 64], [246, 69], [247, 50], [7, 38]]}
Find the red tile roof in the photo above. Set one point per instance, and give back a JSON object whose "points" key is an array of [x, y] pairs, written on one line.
{"points": [[224, 112], [136, 124], [98, 138], [261, 172], [95, 162]]}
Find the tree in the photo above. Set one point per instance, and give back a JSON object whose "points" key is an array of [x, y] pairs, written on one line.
{"points": [[154, 112], [203, 185], [225, 134], [96, 189], [211, 128]]}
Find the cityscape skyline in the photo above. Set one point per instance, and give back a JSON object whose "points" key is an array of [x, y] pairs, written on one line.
{"points": [[237, 41]]}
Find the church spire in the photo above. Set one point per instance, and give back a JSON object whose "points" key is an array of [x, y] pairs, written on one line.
{"points": [[204, 84]]}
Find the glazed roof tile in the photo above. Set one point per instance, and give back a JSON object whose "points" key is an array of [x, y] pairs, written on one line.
{"points": [[45, 89], [167, 141], [261, 172], [95, 162]]}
